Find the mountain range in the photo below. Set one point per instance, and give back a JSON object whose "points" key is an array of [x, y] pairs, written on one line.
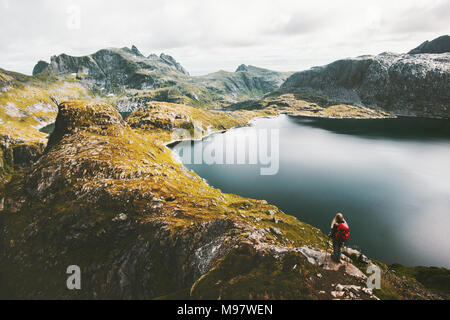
{"points": [[402, 84], [386, 85], [133, 78]]}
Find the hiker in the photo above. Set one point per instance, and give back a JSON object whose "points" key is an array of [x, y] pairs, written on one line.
{"points": [[340, 232]]}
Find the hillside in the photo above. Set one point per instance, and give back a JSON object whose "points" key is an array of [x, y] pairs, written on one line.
{"points": [[438, 45], [108, 196], [26, 108], [402, 84]]}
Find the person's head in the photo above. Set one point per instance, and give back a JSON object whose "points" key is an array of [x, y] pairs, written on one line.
{"points": [[339, 218]]}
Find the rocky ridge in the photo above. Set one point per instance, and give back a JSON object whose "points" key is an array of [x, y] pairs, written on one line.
{"points": [[133, 79], [438, 45], [402, 84]]}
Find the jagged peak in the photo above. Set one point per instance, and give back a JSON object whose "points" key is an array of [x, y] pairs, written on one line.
{"points": [[438, 45], [167, 57], [136, 51], [249, 67], [171, 61], [242, 67]]}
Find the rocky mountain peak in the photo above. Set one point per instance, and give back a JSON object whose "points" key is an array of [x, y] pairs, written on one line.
{"points": [[171, 61], [402, 84], [242, 67], [438, 45], [136, 51], [39, 67]]}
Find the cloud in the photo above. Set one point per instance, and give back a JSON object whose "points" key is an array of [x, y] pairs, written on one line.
{"points": [[423, 18], [208, 35]]}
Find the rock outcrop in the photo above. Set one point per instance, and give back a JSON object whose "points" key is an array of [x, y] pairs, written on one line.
{"points": [[136, 51], [402, 84], [16, 154], [39, 67], [171, 61]]}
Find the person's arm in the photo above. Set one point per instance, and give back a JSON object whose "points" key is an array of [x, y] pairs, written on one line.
{"points": [[333, 231]]}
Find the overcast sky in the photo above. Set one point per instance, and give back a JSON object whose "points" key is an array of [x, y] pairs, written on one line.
{"points": [[209, 35]]}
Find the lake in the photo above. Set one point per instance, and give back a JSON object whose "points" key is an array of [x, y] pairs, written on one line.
{"points": [[389, 177]]}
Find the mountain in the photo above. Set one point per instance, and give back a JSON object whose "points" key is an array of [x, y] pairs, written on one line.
{"points": [[438, 45], [402, 84], [112, 70], [135, 79], [108, 196]]}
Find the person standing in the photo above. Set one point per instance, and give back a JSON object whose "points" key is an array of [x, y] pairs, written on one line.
{"points": [[340, 233]]}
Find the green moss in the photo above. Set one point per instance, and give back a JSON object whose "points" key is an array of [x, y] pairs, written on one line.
{"points": [[245, 274], [182, 294], [434, 278], [25, 91], [299, 105], [387, 292]]}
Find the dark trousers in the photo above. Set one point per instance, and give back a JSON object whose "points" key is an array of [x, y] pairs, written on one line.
{"points": [[337, 247]]}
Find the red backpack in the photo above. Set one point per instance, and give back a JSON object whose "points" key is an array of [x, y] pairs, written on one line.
{"points": [[343, 232]]}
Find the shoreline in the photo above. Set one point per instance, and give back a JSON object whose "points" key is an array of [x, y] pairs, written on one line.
{"points": [[249, 124]]}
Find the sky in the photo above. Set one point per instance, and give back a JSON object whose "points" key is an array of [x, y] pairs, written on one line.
{"points": [[211, 35]]}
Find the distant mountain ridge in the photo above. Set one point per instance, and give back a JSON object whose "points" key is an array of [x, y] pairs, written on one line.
{"points": [[403, 84], [438, 45], [114, 68], [137, 78]]}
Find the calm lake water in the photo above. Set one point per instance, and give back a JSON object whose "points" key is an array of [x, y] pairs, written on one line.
{"points": [[390, 178]]}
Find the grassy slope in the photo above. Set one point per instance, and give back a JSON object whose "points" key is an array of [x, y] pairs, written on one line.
{"points": [[433, 278], [309, 106], [21, 92], [25, 107]]}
